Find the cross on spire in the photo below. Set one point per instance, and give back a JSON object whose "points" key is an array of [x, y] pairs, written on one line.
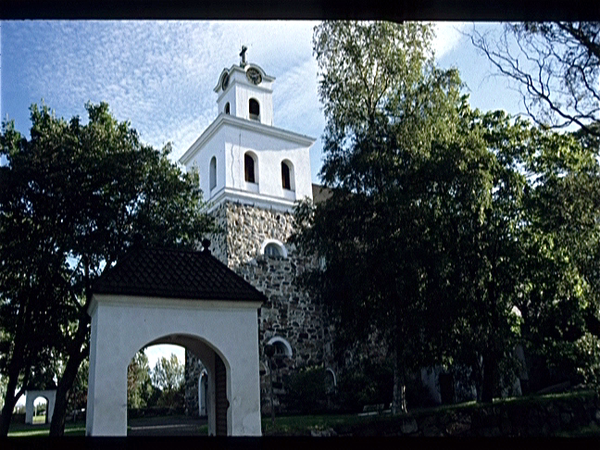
{"points": [[243, 55]]}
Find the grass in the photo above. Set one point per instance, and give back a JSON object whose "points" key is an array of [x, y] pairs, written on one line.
{"points": [[285, 425], [303, 425], [592, 431], [19, 430], [22, 430]]}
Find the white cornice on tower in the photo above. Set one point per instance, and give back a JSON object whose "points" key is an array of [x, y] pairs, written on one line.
{"points": [[251, 125]]}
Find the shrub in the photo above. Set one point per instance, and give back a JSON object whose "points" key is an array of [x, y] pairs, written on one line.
{"points": [[307, 390], [365, 384]]}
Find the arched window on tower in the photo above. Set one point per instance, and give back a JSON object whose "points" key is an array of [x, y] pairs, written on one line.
{"points": [[249, 172], [213, 173], [227, 108], [254, 109], [287, 175]]}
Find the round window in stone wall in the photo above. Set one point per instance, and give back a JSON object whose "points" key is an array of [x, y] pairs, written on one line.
{"points": [[273, 247]]}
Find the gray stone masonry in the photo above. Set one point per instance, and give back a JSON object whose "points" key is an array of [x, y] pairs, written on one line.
{"points": [[289, 312]]}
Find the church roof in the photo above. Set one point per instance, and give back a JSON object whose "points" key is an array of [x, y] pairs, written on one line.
{"points": [[193, 275]]}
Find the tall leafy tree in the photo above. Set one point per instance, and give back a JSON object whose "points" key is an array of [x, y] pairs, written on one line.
{"points": [[168, 376], [73, 197], [138, 381], [386, 105], [561, 303], [431, 219], [168, 373]]}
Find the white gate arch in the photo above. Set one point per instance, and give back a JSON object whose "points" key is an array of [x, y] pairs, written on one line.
{"points": [[31, 395], [156, 296]]}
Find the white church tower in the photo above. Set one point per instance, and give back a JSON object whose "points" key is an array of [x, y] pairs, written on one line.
{"points": [[252, 173], [242, 157]]}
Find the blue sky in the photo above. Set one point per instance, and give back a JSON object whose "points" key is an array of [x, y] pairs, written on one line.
{"points": [[159, 75]]}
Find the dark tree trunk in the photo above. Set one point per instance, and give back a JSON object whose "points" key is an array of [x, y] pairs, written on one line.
{"points": [[490, 371], [399, 389], [16, 366], [57, 426], [10, 400], [491, 356], [76, 356]]}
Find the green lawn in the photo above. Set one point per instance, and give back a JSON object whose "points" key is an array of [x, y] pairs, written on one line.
{"points": [[303, 425], [22, 430]]}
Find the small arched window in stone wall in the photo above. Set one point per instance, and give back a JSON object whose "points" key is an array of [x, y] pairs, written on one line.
{"points": [[272, 250], [249, 168], [330, 380], [254, 109], [227, 108], [273, 247], [287, 175], [282, 347], [213, 173]]}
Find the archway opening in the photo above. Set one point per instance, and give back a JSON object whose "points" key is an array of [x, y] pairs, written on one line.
{"points": [[40, 410], [156, 387], [177, 388]]}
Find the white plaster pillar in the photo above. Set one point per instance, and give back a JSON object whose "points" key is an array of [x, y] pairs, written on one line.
{"points": [[107, 384], [243, 390]]}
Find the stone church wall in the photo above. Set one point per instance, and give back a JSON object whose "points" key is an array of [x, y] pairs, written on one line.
{"points": [[289, 312]]}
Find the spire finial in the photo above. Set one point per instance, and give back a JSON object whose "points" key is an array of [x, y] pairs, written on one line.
{"points": [[206, 245], [243, 56]]}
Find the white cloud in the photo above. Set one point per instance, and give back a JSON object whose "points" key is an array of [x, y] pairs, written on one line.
{"points": [[156, 352], [448, 36]]}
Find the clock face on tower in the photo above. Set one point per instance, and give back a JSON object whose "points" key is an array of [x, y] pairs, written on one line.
{"points": [[253, 75]]}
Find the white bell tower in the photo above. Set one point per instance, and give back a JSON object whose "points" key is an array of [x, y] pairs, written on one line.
{"points": [[239, 85], [241, 156]]}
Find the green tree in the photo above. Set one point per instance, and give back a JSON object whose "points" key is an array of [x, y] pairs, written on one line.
{"points": [[138, 381], [389, 114], [560, 302], [556, 65], [73, 197], [77, 399], [168, 373], [168, 376], [429, 224]]}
